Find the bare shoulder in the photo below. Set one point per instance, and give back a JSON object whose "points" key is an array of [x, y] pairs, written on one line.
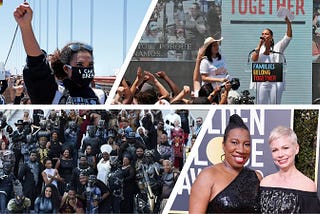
{"points": [[208, 171], [207, 176], [306, 184], [267, 181]]}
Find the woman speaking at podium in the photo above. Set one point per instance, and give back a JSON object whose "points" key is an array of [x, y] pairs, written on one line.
{"points": [[268, 52]]}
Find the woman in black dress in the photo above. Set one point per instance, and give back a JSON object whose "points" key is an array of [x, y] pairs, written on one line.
{"points": [[228, 186], [288, 190], [65, 166]]}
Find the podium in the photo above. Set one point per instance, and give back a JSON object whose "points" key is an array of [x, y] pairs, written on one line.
{"points": [[272, 72], [267, 72]]}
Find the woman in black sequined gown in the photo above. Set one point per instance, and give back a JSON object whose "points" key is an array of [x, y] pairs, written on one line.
{"points": [[288, 190], [228, 186]]}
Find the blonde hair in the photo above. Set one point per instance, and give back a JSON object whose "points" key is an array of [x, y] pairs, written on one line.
{"points": [[282, 131]]}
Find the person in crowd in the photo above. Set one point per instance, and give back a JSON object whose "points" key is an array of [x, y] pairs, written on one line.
{"points": [[129, 187], [71, 138], [230, 180], [195, 28], [142, 135], [130, 145], [198, 127], [149, 182], [112, 142], [42, 150], [65, 167], [18, 138], [7, 181], [48, 201], [37, 116], [55, 147], [91, 140], [19, 204], [92, 193], [43, 130], [168, 178], [70, 203], [3, 146], [83, 166], [64, 77], [102, 132], [152, 33], [269, 52], [165, 150], [92, 159], [30, 177], [50, 175], [178, 144], [288, 190], [160, 130], [103, 165]]}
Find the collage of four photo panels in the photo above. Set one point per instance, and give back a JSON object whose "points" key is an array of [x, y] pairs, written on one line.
{"points": [[168, 75]]}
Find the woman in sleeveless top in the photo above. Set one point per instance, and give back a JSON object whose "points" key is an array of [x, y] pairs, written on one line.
{"points": [[228, 186], [65, 167], [50, 175], [288, 190]]}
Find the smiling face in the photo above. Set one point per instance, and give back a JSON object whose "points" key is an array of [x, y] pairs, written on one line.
{"points": [[237, 148], [48, 192], [283, 151]]}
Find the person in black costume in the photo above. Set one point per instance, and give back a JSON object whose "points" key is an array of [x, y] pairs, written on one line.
{"points": [[30, 177], [228, 186], [18, 139], [288, 190]]}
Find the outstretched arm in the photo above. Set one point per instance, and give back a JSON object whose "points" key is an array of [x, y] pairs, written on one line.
{"points": [[161, 89], [196, 71], [182, 94], [137, 82], [23, 16], [289, 28], [174, 88]]}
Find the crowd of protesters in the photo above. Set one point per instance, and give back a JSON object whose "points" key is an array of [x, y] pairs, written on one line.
{"points": [[92, 161]]}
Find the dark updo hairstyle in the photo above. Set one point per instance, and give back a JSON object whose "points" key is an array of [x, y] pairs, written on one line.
{"points": [[272, 41], [235, 121]]}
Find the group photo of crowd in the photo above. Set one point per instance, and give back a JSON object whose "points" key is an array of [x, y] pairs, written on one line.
{"points": [[92, 161]]}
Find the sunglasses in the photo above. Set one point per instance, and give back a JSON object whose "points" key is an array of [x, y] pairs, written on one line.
{"points": [[77, 46]]}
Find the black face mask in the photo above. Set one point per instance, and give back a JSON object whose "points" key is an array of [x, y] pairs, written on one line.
{"points": [[82, 76]]}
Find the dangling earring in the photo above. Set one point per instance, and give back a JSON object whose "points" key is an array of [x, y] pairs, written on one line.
{"points": [[222, 157]]}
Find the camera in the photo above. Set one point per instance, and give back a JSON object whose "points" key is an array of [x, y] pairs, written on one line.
{"points": [[235, 84], [245, 98]]}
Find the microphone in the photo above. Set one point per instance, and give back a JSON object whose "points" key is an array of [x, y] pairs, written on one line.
{"points": [[261, 37]]}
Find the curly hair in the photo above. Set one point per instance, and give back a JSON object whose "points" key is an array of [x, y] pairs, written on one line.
{"points": [[55, 196], [60, 58]]}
